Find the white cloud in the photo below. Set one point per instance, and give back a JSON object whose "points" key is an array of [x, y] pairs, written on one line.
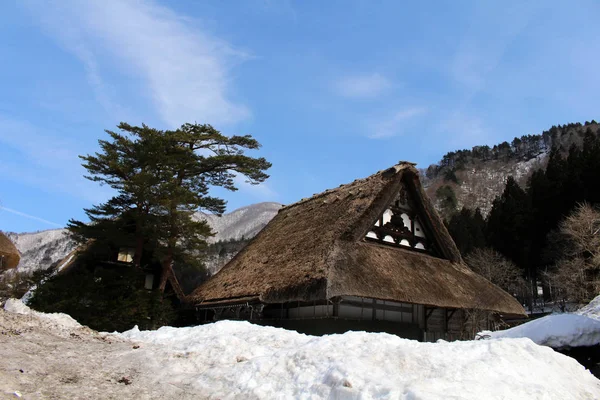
{"points": [[33, 217], [362, 86], [394, 124], [262, 191], [185, 71], [43, 159]]}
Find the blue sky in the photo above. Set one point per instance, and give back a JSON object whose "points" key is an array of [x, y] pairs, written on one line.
{"points": [[333, 90]]}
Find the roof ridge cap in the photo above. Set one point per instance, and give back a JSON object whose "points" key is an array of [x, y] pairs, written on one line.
{"points": [[397, 168]]}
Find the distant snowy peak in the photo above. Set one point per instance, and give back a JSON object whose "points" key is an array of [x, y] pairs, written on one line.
{"points": [[39, 250], [244, 222]]}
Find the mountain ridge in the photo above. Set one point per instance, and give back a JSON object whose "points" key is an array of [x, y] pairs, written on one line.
{"points": [[474, 178], [471, 178], [41, 249]]}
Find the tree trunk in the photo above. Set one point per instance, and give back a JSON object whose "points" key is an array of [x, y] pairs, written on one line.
{"points": [[167, 268], [139, 248], [139, 238], [168, 275]]}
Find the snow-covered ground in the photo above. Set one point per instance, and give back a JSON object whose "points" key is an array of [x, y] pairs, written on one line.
{"points": [[581, 328], [44, 358]]}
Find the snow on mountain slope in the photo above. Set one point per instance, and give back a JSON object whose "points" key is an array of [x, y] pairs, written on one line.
{"points": [[244, 222], [478, 175], [481, 183], [39, 250]]}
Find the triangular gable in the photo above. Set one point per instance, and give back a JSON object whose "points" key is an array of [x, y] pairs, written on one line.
{"points": [[403, 224]]}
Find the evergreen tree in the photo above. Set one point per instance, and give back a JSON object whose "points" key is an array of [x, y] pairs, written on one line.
{"points": [[467, 228], [447, 199], [162, 178], [590, 167], [508, 224], [105, 299]]}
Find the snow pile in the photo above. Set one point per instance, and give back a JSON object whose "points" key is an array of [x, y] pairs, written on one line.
{"points": [[592, 310], [581, 328], [230, 359], [557, 331], [239, 360], [59, 319]]}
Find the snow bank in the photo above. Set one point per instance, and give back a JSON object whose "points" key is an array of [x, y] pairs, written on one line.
{"points": [[63, 320], [581, 328], [230, 359], [557, 331], [592, 310]]}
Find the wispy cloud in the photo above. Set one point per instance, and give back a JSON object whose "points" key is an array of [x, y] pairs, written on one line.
{"points": [[33, 217], [262, 191], [43, 159], [184, 69], [362, 86], [394, 124]]}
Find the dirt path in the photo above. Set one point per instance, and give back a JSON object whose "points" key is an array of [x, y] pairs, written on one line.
{"points": [[40, 359]]}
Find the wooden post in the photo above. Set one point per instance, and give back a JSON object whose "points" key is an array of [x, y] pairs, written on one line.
{"points": [[424, 323], [336, 307], [362, 308], [374, 311], [445, 323]]}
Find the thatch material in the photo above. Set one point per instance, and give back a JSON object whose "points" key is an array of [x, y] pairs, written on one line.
{"points": [[315, 250], [8, 252]]}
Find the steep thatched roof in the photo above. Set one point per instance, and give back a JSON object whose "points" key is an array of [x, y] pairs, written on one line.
{"points": [[9, 253], [315, 250]]}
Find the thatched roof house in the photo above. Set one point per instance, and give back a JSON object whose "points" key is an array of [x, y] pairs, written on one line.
{"points": [[373, 246], [9, 255], [106, 257]]}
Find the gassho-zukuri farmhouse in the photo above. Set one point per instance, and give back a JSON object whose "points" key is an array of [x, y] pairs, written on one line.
{"points": [[372, 255]]}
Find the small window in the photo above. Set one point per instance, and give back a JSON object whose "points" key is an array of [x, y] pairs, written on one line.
{"points": [[126, 254], [149, 282]]}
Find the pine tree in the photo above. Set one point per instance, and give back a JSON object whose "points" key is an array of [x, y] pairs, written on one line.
{"points": [[508, 224], [467, 228], [162, 178]]}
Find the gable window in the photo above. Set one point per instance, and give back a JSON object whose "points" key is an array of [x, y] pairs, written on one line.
{"points": [[400, 225]]}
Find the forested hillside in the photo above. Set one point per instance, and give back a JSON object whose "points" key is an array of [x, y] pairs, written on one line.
{"points": [[546, 222], [475, 177]]}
